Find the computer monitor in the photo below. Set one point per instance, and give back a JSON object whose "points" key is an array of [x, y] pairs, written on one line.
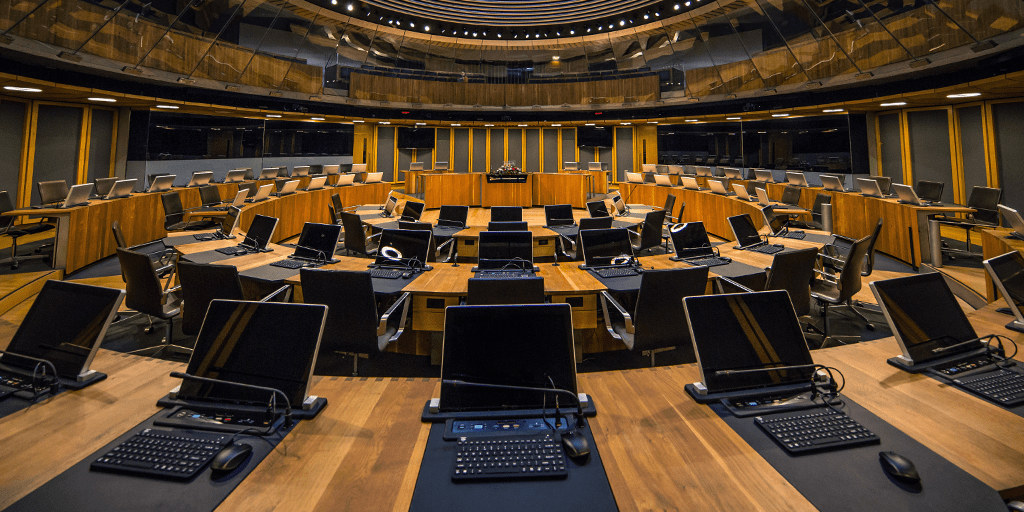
{"points": [[747, 331], [602, 247], [317, 241], [796, 178], [776, 223], [521, 345], [1007, 272], [597, 209], [261, 230], [121, 188], [389, 206], [229, 221], [161, 183], [300, 170], [744, 231], [924, 316], [330, 169], [242, 342], [884, 183], [763, 175], [718, 186], [235, 176], [64, 326], [415, 166], [689, 182], [1014, 219], [634, 177], [831, 182], [268, 173], [907, 195], [262, 193], [316, 183], [619, 204], [559, 215], [288, 188], [200, 178], [869, 187], [78, 196], [690, 240], [703, 170], [734, 173], [741, 192], [505, 249], [663, 180], [762, 196], [403, 247], [345, 179], [373, 177]]}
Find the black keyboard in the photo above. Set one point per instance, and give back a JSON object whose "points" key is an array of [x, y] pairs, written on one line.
{"points": [[534, 456], [386, 273], [616, 272], [1002, 386], [205, 237], [212, 209], [293, 264], [796, 235], [503, 274], [768, 249], [710, 261], [821, 429], [175, 454], [233, 251], [966, 366]]}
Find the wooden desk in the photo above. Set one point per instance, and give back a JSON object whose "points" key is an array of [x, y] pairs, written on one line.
{"points": [[412, 180], [452, 188], [507, 194], [561, 188]]}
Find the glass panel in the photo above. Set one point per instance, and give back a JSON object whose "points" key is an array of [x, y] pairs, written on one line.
{"points": [[300, 76], [817, 53], [985, 19], [865, 40], [691, 57], [818, 143], [923, 30], [727, 51], [774, 61], [628, 53]]}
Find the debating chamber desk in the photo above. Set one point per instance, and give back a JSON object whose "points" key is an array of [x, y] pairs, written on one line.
{"points": [[472, 189]]}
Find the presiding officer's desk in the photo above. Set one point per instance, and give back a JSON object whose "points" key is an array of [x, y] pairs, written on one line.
{"points": [[660, 449]]}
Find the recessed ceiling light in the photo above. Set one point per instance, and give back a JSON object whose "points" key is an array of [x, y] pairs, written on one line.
{"points": [[652, 122], [676, 7], [273, 115], [350, 6], [317, 118], [691, 120], [624, 122], [830, 110], [894, 104], [733, 118], [385, 122], [521, 125], [22, 89], [622, 23], [589, 124], [556, 125], [964, 95], [780, 115], [358, 121], [421, 124], [555, 57], [173, 107], [456, 124], [426, 28], [488, 125], [107, 100], [572, 32]]}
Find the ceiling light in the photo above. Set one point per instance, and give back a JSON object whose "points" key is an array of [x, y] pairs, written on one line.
{"points": [[527, 36], [572, 32], [622, 23], [108, 100], [421, 124], [964, 95], [652, 122], [521, 125], [456, 124], [733, 119], [499, 35], [894, 104], [687, 4], [556, 125], [625, 122], [691, 120], [350, 6], [555, 57], [173, 107], [411, 24], [317, 118], [831, 110], [588, 30], [22, 89], [780, 115], [647, 16], [537, 36], [358, 121], [273, 115], [385, 122], [426, 28], [559, 34], [334, 2], [658, 14], [488, 125], [676, 7], [589, 124], [474, 34]]}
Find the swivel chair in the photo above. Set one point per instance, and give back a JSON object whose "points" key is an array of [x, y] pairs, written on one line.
{"points": [[525, 290], [651, 232], [985, 201], [838, 290], [355, 237], [147, 296], [7, 228]]}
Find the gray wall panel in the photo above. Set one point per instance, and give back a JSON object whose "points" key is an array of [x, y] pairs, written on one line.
{"points": [[425, 155], [100, 143], [972, 147], [515, 146], [623, 152], [12, 129], [404, 157], [1008, 119], [929, 148], [531, 150], [479, 150], [568, 145], [890, 156], [497, 149], [57, 134], [552, 162], [441, 147], [386, 152], [460, 160]]}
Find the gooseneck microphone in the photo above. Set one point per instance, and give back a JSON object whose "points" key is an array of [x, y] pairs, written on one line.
{"points": [[579, 404], [723, 373], [958, 345], [273, 392]]}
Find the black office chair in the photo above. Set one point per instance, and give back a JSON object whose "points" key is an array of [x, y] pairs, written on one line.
{"points": [[597, 209], [355, 236], [145, 294], [209, 195], [508, 226], [163, 259], [201, 283], [506, 213], [412, 210], [833, 261], [838, 290], [434, 252], [985, 201], [791, 195], [101, 187], [523, 290], [557, 214], [52, 192], [174, 215], [929, 190], [651, 232], [353, 325], [666, 232], [453, 215], [569, 248], [7, 228], [658, 322], [816, 221]]}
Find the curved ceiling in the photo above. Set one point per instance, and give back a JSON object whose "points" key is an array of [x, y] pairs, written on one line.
{"points": [[521, 13]]}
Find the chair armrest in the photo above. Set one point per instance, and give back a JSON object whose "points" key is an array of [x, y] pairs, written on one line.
{"points": [[616, 311], [450, 243], [730, 282], [395, 320], [282, 294]]}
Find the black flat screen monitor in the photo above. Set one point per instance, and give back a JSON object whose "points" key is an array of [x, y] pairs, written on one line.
{"points": [[602, 247], [522, 345], [690, 240], [1007, 272], [924, 315], [747, 331], [777, 223], [744, 231], [415, 138], [65, 325], [227, 224], [595, 136], [269, 344], [318, 241], [403, 248], [261, 229], [505, 250], [559, 215]]}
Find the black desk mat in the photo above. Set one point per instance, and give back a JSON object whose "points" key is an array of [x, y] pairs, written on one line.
{"points": [[83, 490], [853, 479], [269, 273], [207, 257], [586, 487], [172, 241]]}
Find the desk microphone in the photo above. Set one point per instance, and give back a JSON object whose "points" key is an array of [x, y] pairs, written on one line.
{"points": [[273, 392], [724, 373], [41, 364], [320, 255], [962, 343], [625, 204], [579, 404]]}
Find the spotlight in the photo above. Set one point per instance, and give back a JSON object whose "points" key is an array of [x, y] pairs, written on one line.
{"points": [[646, 16], [588, 30], [411, 24], [687, 4], [350, 6], [658, 14], [559, 34], [622, 23], [676, 7], [572, 32], [426, 28], [474, 34]]}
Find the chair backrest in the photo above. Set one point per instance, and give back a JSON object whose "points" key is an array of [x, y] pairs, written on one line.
{"points": [[52, 191], [413, 210], [506, 213], [352, 319], [986, 201], [209, 194], [526, 290], [929, 190], [143, 291], [333, 213], [355, 237], [5, 206], [118, 234], [200, 284], [454, 214], [850, 277], [174, 212], [336, 201], [791, 195], [597, 208], [102, 186], [793, 271], [651, 229], [670, 205], [507, 225], [869, 259], [659, 319]]}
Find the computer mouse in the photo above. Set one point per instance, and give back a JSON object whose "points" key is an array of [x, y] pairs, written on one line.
{"points": [[406, 275], [230, 457], [575, 444], [899, 467]]}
